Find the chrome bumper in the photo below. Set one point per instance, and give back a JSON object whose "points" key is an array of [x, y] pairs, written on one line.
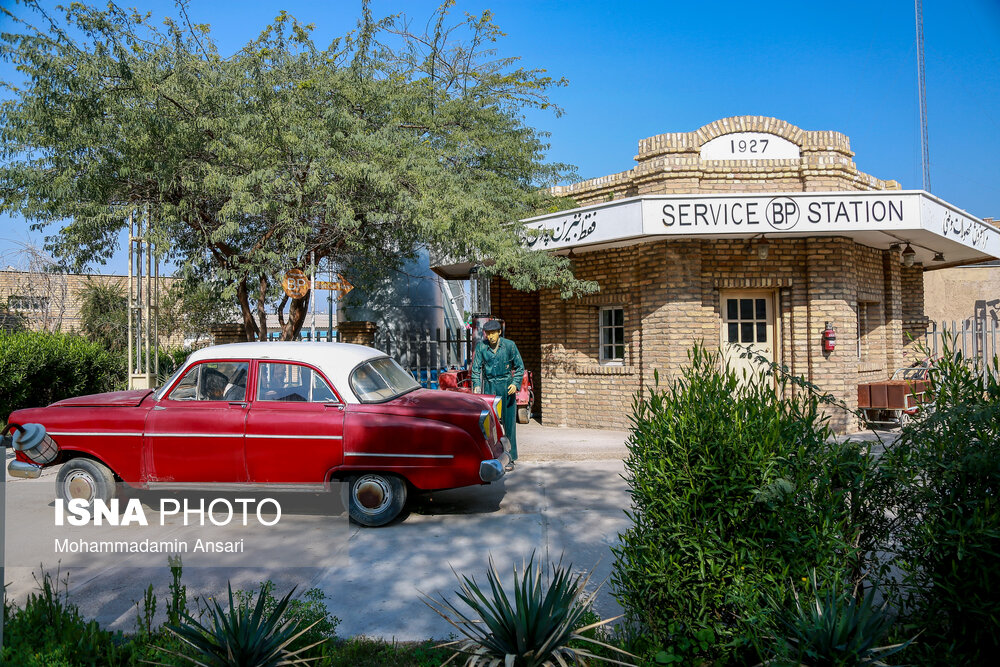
{"points": [[24, 469], [493, 469]]}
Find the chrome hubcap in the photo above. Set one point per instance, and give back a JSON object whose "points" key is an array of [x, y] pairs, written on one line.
{"points": [[372, 494], [81, 485]]}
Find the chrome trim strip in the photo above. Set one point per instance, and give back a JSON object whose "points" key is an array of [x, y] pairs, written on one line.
{"points": [[197, 435], [403, 456], [297, 437], [101, 433], [194, 435]]}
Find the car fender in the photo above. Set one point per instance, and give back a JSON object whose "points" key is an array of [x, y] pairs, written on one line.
{"points": [[428, 453]]}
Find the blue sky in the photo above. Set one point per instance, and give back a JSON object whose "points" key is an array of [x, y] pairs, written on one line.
{"points": [[637, 69]]}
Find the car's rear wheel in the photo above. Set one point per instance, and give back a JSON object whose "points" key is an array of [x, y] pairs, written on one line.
{"points": [[375, 499], [85, 479]]}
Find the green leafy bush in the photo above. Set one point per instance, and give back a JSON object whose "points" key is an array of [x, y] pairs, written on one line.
{"points": [[50, 632], [37, 368], [736, 490], [946, 471]]}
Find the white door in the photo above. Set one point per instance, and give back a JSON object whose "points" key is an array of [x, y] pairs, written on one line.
{"points": [[747, 321]]}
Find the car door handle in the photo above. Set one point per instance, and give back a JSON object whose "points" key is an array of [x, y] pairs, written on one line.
{"points": [[339, 406], [236, 404]]}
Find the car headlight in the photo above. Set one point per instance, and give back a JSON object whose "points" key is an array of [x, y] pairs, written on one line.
{"points": [[486, 425]]}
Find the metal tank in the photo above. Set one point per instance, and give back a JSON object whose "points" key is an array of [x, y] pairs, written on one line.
{"points": [[415, 318]]}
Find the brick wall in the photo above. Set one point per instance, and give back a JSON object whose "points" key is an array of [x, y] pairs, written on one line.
{"points": [[671, 164], [54, 299], [670, 291]]}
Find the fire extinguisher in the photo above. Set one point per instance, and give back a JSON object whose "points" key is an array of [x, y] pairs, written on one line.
{"points": [[829, 338]]}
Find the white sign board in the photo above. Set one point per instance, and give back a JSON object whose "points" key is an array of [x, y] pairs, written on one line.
{"points": [[826, 212], [775, 214], [609, 222], [749, 146]]}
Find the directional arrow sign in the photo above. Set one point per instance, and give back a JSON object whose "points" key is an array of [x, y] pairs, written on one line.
{"points": [[340, 285]]}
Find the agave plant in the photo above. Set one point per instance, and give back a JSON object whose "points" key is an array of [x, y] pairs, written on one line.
{"points": [[837, 630], [243, 637], [532, 628]]}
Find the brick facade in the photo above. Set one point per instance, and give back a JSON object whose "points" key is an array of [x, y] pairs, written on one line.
{"points": [[51, 301], [670, 290]]}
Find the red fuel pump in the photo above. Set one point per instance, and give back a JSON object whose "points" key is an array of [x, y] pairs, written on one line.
{"points": [[829, 338]]}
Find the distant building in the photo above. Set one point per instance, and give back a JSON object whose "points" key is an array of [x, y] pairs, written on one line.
{"points": [[43, 301]]}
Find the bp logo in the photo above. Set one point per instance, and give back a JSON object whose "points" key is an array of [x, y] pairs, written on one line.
{"points": [[782, 213]]}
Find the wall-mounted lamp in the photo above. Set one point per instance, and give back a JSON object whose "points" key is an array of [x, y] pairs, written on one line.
{"points": [[572, 254], [938, 257], [763, 248], [909, 254]]}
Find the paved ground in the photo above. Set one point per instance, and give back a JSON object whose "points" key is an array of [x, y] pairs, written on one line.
{"points": [[565, 499]]}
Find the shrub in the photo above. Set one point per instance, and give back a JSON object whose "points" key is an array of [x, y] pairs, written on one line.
{"points": [[946, 468], [104, 313], [539, 625], [50, 632], [736, 490], [37, 368]]}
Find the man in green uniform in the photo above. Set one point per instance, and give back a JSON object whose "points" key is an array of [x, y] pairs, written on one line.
{"points": [[497, 369]]}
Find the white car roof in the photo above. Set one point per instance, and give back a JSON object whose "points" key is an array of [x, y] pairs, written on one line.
{"points": [[336, 360]]}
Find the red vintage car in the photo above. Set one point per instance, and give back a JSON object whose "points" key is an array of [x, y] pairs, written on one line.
{"points": [[278, 413]]}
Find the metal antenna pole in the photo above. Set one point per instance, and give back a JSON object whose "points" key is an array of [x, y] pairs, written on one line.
{"points": [[924, 151]]}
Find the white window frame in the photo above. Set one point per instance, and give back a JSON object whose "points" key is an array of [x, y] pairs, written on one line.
{"points": [[601, 328]]}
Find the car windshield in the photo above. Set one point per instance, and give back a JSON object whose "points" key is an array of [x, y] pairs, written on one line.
{"points": [[380, 380], [162, 389]]}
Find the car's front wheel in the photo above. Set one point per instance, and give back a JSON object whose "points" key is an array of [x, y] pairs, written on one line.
{"points": [[85, 479], [375, 499]]}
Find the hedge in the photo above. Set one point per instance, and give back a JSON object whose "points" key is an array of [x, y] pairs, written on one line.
{"points": [[38, 368]]}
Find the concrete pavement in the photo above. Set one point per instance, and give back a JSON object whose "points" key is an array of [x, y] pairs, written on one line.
{"points": [[565, 499]]}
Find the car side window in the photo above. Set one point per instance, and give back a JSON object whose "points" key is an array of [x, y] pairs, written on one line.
{"points": [[292, 382], [213, 381]]}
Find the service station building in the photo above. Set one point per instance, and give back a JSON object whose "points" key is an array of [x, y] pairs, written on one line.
{"points": [[746, 231]]}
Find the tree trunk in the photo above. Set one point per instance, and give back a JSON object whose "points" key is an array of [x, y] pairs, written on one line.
{"points": [[261, 313], [243, 295], [297, 310]]}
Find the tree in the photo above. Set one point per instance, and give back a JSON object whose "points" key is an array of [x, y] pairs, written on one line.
{"points": [[281, 154], [104, 314], [194, 307]]}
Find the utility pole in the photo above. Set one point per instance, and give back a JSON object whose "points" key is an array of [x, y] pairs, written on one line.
{"points": [[924, 151]]}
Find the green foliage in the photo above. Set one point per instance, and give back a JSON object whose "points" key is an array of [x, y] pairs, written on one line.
{"points": [[359, 152], [369, 652], [193, 307], [308, 611], [242, 636], [177, 604], [50, 632], [946, 474], [835, 629], [736, 489], [531, 628], [104, 314], [37, 368]]}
